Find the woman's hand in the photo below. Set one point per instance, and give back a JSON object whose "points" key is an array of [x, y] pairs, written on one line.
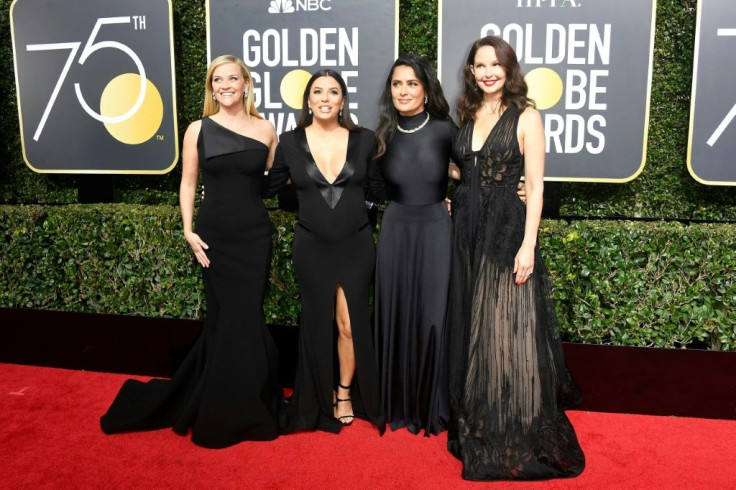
{"points": [[520, 191], [199, 247], [524, 264], [448, 203]]}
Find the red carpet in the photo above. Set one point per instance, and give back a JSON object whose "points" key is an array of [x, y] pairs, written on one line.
{"points": [[50, 438]]}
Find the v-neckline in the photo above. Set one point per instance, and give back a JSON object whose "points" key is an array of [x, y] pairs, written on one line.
{"points": [[314, 162], [488, 136]]}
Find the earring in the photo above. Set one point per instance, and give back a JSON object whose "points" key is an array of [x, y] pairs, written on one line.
{"points": [[426, 99], [309, 111], [213, 97], [340, 114], [245, 94]]}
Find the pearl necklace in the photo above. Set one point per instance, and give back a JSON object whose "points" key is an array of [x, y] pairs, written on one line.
{"points": [[415, 129]]}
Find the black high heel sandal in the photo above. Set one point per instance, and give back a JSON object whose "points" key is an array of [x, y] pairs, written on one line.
{"points": [[338, 400]]}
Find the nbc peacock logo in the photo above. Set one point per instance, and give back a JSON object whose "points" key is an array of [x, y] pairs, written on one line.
{"points": [[281, 7]]}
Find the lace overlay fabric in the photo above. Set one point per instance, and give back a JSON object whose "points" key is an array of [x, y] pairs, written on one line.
{"points": [[509, 384]]}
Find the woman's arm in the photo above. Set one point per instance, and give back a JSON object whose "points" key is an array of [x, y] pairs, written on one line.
{"points": [[453, 171], [273, 143], [187, 189], [531, 142]]}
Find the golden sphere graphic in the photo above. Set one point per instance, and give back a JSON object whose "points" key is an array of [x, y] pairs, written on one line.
{"points": [[545, 87], [119, 96], [292, 87]]}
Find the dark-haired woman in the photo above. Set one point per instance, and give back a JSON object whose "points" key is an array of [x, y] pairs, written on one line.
{"points": [[415, 135], [509, 385], [327, 158]]}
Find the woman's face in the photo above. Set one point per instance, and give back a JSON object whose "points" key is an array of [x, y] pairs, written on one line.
{"points": [[407, 92], [325, 99], [228, 84], [490, 75]]}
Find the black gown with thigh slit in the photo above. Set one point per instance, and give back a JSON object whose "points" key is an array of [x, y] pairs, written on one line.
{"points": [[226, 390], [333, 246], [509, 385], [413, 276]]}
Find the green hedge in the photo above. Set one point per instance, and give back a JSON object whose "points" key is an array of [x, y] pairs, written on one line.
{"points": [[622, 283], [663, 190]]}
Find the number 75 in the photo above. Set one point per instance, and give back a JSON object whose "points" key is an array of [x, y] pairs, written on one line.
{"points": [[89, 48]]}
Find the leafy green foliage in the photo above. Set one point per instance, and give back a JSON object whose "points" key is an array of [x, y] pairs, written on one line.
{"points": [[652, 284], [621, 283]]}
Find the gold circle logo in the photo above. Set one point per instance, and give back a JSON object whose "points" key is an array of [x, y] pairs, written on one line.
{"points": [[292, 87], [545, 87], [119, 96]]}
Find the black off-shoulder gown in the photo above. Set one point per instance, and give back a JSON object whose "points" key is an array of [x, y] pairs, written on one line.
{"points": [[333, 246], [226, 390]]}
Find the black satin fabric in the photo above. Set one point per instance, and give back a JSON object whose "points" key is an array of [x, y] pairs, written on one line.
{"points": [[226, 390], [509, 385], [412, 277], [333, 246]]}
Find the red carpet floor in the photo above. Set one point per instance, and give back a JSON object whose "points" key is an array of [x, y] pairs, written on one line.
{"points": [[50, 438]]}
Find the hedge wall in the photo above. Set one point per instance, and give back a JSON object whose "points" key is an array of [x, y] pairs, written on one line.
{"points": [[654, 284], [664, 189]]}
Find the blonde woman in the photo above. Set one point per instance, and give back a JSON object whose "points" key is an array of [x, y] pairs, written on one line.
{"points": [[226, 390]]}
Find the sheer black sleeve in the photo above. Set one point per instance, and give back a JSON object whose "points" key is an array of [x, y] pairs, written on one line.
{"points": [[376, 189], [278, 176]]}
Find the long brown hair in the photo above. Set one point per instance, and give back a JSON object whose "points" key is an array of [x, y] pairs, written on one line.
{"points": [[211, 106], [436, 104], [515, 90]]}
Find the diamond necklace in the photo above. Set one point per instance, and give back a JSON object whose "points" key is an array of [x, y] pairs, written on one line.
{"points": [[415, 129]]}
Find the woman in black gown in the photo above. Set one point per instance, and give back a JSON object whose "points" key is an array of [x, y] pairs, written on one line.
{"points": [[509, 385], [226, 390], [327, 158], [415, 135]]}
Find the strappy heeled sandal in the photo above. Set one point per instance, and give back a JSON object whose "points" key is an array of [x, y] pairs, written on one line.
{"points": [[339, 400]]}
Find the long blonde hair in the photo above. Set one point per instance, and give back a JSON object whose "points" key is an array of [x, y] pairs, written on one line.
{"points": [[211, 106]]}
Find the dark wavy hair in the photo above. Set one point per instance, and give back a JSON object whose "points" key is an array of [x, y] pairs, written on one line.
{"points": [[515, 90], [305, 118], [436, 104]]}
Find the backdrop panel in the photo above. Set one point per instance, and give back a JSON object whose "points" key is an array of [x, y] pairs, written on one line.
{"points": [[95, 85], [588, 65], [284, 41], [712, 139]]}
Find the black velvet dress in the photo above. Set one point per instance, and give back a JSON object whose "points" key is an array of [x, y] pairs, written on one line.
{"points": [[413, 277], [509, 385], [226, 390], [333, 246]]}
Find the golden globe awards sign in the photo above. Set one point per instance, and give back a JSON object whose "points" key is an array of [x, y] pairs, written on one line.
{"points": [[712, 141], [588, 65], [95, 85], [284, 41]]}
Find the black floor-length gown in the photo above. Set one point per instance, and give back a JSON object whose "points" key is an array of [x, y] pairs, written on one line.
{"points": [[509, 385], [226, 390], [413, 277], [332, 246]]}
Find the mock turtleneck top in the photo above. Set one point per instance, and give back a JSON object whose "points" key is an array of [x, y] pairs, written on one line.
{"points": [[415, 164]]}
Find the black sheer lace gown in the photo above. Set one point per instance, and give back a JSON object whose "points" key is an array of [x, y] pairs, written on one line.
{"points": [[333, 246], [413, 277], [226, 390], [509, 385]]}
